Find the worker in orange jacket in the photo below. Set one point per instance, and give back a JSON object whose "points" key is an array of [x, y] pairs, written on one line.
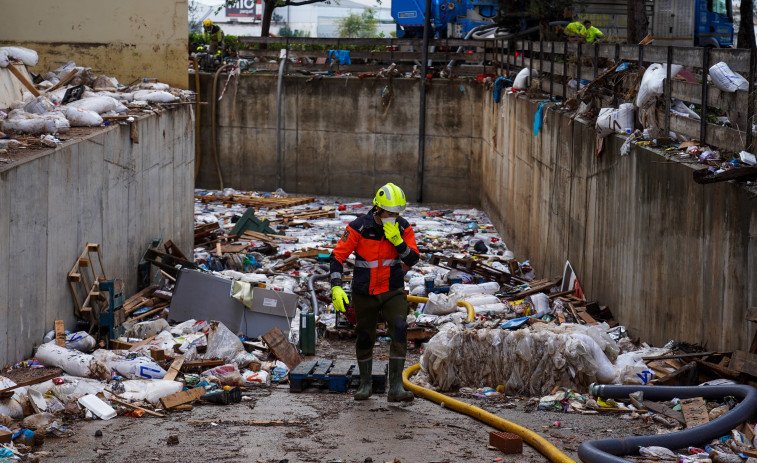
{"points": [[385, 248]]}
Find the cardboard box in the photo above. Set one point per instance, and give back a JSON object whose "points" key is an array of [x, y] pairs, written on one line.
{"points": [[5, 437]]}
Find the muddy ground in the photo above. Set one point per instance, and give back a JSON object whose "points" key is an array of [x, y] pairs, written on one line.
{"points": [[326, 427]]}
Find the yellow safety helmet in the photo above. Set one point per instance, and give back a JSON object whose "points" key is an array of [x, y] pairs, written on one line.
{"points": [[207, 23], [391, 198]]}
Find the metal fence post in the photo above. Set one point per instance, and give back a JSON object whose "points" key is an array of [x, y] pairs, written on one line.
{"points": [[750, 103], [564, 70], [641, 55], [551, 69], [705, 73], [579, 57], [530, 63], [596, 60], [668, 91], [541, 57]]}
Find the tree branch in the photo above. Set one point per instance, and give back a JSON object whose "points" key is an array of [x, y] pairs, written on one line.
{"points": [[301, 2]]}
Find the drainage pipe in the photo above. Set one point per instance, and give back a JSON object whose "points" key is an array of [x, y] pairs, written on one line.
{"points": [[311, 288], [468, 306], [213, 139], [610, 450], [197, 117], [531, 438]]}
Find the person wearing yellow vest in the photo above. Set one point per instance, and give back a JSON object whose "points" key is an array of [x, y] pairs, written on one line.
{"points": [[592, 33], [575, 30]]}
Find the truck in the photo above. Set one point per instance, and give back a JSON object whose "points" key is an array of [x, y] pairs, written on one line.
{"points": [[703, 23], [686, 23]]}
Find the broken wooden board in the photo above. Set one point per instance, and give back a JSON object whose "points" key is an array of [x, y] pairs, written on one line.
{"points": [[142, 343], [694, 412], [282, 348], [182, 397], [744, 362], [202, 364], [174, 369], [664, 410], [687, 375], [60, 333]]}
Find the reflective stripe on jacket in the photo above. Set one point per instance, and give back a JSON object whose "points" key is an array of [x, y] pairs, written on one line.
{"points": [[378, 263]]}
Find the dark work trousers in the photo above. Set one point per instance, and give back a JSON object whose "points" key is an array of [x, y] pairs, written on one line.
{"points": [[392, 308]]}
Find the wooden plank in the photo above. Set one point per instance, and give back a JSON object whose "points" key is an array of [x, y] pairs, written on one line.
{"points": [[718, 370], [694, 412], [21, 78], [687, 375], [588, 319], [134, 407], [119, 345], [41, 379], [182, 397], [282, 348], [174, 369], [744, 362], [202, 364], [60, 334], [681, 356], [142, 343], [63, 81], [664, 410]]}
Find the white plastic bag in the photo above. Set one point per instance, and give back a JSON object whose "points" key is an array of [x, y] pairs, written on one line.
{"points": [[727, 80], [81, 341], [228, 375], [256, 378], [78, 117], [4, 58], [30, 125], [146, 329], [611, 120], [224, 344], [153, 96], [140, 367], [39, 105], [71, 361], [652, 83], [28, 56], [439, 304]]}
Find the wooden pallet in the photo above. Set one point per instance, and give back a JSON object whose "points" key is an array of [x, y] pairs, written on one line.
{"points": [[84, 278], [334, 375], [258, 201], [288, 216]]}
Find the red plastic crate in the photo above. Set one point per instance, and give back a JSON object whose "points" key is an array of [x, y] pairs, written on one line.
{"points": [[506, 441]]}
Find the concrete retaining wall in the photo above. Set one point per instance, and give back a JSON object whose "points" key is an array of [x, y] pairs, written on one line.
{"points": [[671, 258], [103, 189], [338, 139]]}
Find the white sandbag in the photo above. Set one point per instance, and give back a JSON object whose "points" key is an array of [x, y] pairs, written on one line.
{"points": [[140, 367], [28, 56], [61, 123], [153, 86], [28, 125], [611, 120], [727, 80], [98, 104], [154, 96], [71, 361], [13, 407], [652, 83], [149, 390], [81, 341], [79, 117], [4, 58], [522, 78], [461, 290], [146, 329], [481, 299], [496, 308]]}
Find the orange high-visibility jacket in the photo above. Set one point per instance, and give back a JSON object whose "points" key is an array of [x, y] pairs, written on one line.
{"points": [[378, 263]]}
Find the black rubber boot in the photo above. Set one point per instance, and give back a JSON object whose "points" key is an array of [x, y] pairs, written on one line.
{"points": [[365, 389], [397, 392]]}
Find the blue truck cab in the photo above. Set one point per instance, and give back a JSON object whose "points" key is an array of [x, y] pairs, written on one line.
{"points": [[714, 23], [449, 18]]}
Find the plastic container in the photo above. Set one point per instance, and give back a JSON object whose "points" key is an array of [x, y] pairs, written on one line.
{"points": [[98, 407], [307, 333]]}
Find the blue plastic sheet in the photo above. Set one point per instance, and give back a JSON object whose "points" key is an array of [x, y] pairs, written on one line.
{"points": [[538, 118], [498, 85], [342, 55]]}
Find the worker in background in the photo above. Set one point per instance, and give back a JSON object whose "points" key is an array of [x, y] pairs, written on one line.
{"points": [[575, 31], [592, 33], [213, 35], [385, 248]]}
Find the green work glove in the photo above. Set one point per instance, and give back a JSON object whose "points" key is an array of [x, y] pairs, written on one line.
{"points": [[392, 233], [339, 298]]}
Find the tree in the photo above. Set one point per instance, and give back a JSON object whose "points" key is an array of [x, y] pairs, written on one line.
{"points": [[287, 32], [746, 38], [637, 21], [359, 25]]}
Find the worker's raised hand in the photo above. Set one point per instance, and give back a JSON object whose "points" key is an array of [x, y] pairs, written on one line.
{"points": [[339, 298], [392, 233]]}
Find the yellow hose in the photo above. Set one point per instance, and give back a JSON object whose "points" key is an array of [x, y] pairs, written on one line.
{"points": [[531, 438], [467, 305]]}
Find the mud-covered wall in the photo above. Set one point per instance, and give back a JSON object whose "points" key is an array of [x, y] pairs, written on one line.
{"points": [[103, 189], [672, 259], [338, 138], [127, 40]]}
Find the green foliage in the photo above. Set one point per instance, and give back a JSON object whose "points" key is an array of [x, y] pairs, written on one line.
{"points": [[359, 26], [551, 10], [287, 32]]}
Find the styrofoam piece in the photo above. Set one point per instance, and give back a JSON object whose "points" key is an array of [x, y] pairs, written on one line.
{"points": [[98, 407]]}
